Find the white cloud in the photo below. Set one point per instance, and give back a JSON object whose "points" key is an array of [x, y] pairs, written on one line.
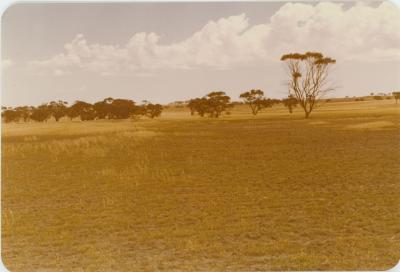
{"points": [[360, 32], [6, 63]]}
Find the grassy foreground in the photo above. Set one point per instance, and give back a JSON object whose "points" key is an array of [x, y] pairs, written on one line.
{"points": [[241, 193]]}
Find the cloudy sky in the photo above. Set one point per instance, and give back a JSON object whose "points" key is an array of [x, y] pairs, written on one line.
{"points": [[165, 52]]}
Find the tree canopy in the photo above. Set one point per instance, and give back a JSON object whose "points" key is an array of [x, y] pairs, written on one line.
{"points": [[212, 104]]}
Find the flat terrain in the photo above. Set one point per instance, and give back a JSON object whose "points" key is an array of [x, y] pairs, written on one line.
{"points": [[183, 193]]}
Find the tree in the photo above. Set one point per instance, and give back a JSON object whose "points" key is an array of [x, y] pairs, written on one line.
{"points": [[122, 108], [84, 110], [58, 109], [138, 111], [396, 96], [71, 113], [24, 112], [116, 109], [256, 100], [103, 108], [9, 115], [217, 102], [308, 75], [290, 103], [152, 110], [212, 104], [198, 105], [41, 113]]}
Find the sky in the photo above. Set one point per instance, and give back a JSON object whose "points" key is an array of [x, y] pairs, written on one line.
{"points": [[165, 52]]}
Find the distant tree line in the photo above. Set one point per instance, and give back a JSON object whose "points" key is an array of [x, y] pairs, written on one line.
{"points": [[307, 84], [211, 105], [108, 108], [216, 103]]}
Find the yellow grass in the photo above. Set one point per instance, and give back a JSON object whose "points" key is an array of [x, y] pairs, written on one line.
{"points": [[184, 193], [376, 125]]}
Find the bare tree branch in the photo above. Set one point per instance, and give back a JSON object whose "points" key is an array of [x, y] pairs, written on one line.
{"points": [[308, 75]]}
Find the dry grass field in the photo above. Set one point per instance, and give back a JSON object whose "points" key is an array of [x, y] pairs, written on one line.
{"points": [[183, 193]]}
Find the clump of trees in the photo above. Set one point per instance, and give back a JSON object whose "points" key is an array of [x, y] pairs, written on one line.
{"points": [[257, 101], [40, 114], [213, 104], [198, 105], [308, 78], [108, 108], [150, 110], [9, 114], [57, 109], [85, 111]]}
